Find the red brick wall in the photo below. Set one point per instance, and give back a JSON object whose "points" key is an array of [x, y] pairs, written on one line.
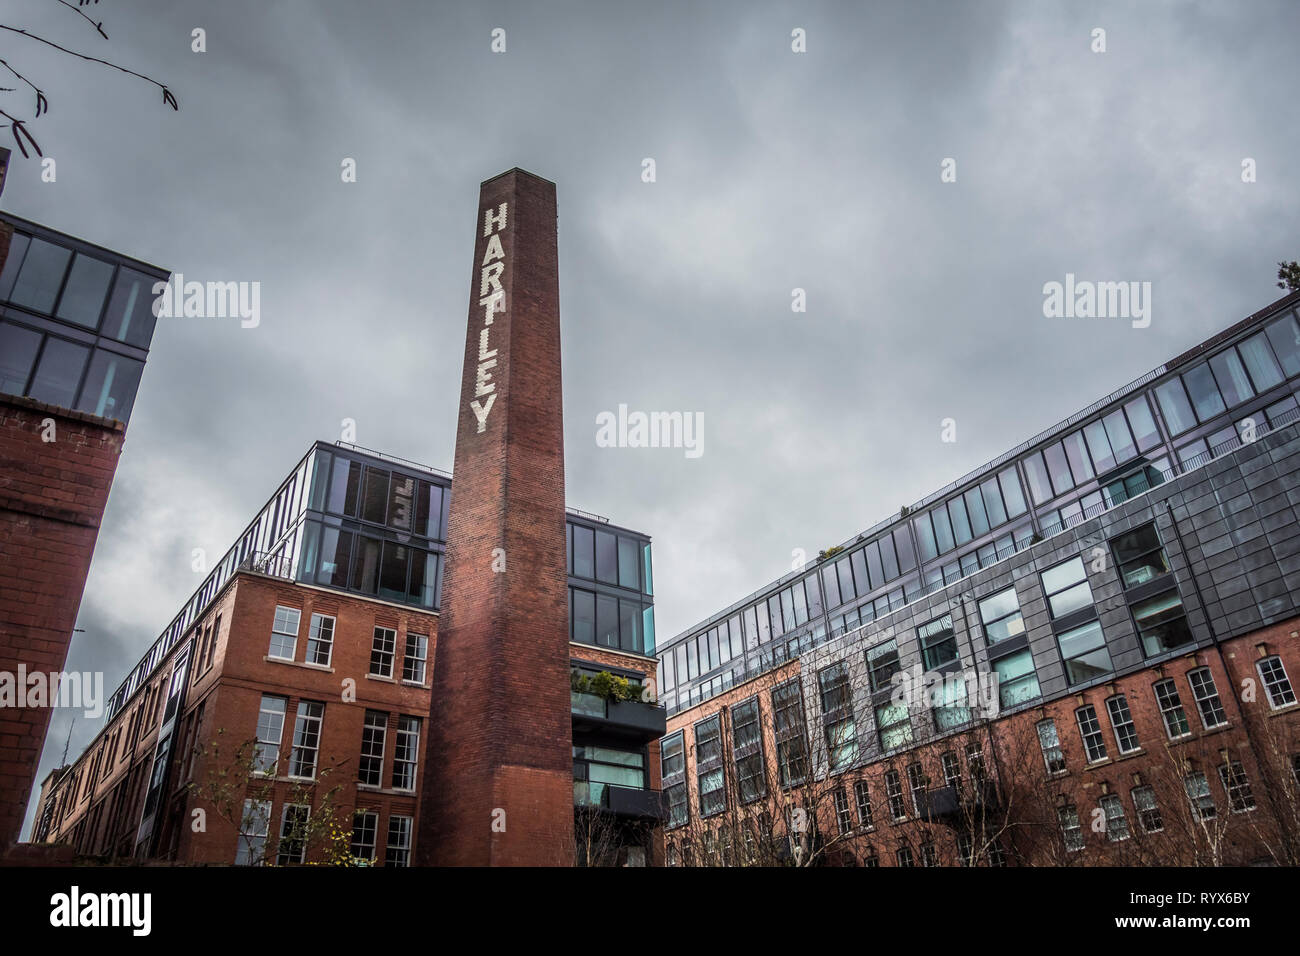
{"points": [[52, 497], [501, 726]]}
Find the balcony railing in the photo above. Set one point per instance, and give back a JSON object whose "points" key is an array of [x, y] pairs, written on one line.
{"points": [[620, 801], [960, 807], [273, 565], [627, 718]]}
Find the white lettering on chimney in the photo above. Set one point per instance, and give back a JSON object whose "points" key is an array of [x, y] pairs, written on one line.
{"points": [[492, 298]]}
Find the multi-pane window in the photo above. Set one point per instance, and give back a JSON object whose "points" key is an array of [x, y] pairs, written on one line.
{"points": [[837, 709], [916, 782], [1171, 709], [1276, 684], [1148, 811], [673, 763], [1017, 678], [975, 763], [1094, 744], [1116, 821], [399, 841], [1053, 757], [365, 834], [951, 770], [1162, 623], [417, 654], [952, 709], [903, 856], [1207, 698], [965, 848], [788, 726], [1066, 587], [293, 834], [862, 796], [320, 640], [893, 725], [1139, 555], [1198, 794], [708, 766], [253, 828], [882, 664], [894, 794], [997, 856], [270, 730], [929, 855], [1071, 830], [843, 815], [381, 652], [306, 739], [373, 735], [938, 642], [747, 750], [1121, 720], [1083, 649], [406, 753], [284, 632], [1237, 786], [1000, 614]]}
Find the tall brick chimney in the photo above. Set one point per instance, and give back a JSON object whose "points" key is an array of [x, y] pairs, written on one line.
{"points": [[499, 773]]}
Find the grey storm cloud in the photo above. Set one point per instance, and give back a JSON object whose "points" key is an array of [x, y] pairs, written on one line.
{"points": [[775, 170]]}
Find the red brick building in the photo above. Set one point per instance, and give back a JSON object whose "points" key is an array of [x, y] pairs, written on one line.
{"points": [[73, 341]]}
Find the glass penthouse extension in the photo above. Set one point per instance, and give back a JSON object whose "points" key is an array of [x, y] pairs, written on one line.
{"points": [[1208, 401], [76, 321], [353, 520]]}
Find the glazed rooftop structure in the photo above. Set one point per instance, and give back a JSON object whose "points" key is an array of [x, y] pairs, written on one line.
{"points": [[1230, 389], [353, 520]]}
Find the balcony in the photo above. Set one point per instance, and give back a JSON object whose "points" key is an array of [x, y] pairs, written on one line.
{"points": [[952, 807], [631, 802], [630, 719]]}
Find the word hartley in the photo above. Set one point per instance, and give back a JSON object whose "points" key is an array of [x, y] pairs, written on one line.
{"points": [[55, 689], [916, 688], [653, 430], [176, 299], [74, 909], [492, 299], [1098, 300]]}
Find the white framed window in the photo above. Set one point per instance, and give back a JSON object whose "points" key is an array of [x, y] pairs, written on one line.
{"points": [[862, 796], [916, 782], [294, 820], [417, 655], [1276, 683], [306, 739], [1236, 785], [903, 856], [1053, 756], [284, 632], [320, 640], [365, 833], [1071, 830], [1094, 743], [253, 828], [843, 815], [1121, 721], [1148, 811], [894, 795], [399, 841], [1207, 698], [1116, 821], [1171, 709], [406, 753], [270, 731], [1198, 794], [374, 735], [381, 652]]}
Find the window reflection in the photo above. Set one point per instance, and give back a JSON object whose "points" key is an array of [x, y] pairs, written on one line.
{"points": [[110, 386], [83, 295], [58, 372]]}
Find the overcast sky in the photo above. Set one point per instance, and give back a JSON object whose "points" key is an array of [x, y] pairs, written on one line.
{"points": [[775, 170]]}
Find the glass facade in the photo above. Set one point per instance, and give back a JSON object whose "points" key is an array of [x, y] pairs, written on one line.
{"points": [[1168, 422], [76, 322]]}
